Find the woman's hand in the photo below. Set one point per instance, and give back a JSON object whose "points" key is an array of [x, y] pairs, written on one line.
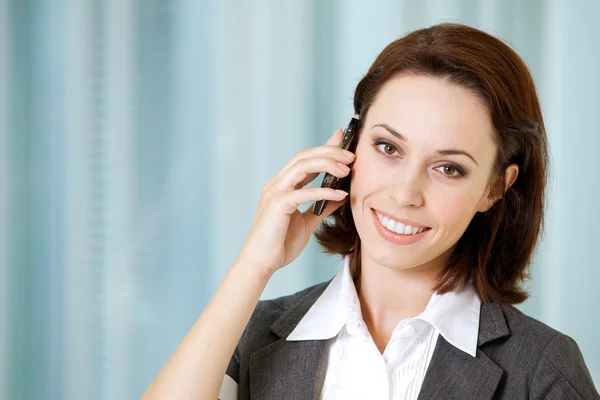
{"points": [[280, 231], [277, 236]]}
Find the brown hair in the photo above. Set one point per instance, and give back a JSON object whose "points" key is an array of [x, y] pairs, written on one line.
{"points": [[497, 246]]}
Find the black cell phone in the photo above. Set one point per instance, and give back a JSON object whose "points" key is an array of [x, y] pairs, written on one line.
{"points": [[329, 180]]}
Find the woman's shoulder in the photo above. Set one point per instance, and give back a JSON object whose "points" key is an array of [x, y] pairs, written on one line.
{"points": [[521, 324], [528, 336], [286, 302], [545, 357], [272, 318], [533, 334]]}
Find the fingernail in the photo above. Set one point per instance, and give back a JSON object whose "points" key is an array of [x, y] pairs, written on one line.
{"points": [[344, 167], [348, 153], [343, 193]]}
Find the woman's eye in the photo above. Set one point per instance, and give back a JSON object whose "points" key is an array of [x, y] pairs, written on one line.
{"points": [[389, 149], [386, 148], [450, 170]]}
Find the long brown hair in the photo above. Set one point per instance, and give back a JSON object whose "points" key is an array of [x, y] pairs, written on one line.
{"points": [[497, 246]]}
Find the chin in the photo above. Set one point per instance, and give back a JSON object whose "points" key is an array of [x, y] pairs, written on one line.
{"points": [[394, 258]]}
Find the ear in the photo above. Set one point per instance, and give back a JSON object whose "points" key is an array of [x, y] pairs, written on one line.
{"points": [[496, 190]]}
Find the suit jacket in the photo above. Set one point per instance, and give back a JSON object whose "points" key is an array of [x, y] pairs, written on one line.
{"points": [[517, 357]]}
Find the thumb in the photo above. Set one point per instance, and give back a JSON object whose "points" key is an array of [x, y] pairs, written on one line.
{"points": [[313, 220]]}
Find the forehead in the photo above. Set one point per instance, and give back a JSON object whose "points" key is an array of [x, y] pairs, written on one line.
{"points": [[426, 108]]}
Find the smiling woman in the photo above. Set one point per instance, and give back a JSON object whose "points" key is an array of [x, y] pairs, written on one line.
{"points": [[432, 107], [429, 173], [445, 207]]}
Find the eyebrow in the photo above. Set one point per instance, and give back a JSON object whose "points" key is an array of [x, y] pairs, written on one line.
{"points": [[444, 152]]}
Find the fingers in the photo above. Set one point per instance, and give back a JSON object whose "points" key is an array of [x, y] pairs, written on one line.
{"points": [[333, 142], [308, 163], [288, 202], [331, 147], [305, 170], [313, 220]]}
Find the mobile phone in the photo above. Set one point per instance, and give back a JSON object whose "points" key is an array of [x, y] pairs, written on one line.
{"points": [[329, 180]]}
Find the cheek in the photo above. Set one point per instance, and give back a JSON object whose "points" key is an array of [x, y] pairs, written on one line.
{"points": [[454, 209], [363, 182], [362, 170], [368, 177]]}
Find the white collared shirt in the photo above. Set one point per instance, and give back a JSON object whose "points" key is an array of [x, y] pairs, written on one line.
{"points": [[356, 369]]}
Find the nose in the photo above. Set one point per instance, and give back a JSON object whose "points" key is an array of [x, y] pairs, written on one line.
{"points": [[407, 187]]}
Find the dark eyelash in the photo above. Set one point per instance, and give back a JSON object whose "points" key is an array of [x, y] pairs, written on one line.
{"points": [[461, 172], [378, 142]]}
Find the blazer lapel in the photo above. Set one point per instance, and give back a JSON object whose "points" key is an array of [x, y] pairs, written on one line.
{"points": [[455, 374], [288, 369]]}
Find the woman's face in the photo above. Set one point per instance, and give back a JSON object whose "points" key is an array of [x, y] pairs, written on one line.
{"points": [[425, 155]]}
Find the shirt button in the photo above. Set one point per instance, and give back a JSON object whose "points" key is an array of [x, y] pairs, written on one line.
{"points": [[353, 327]]}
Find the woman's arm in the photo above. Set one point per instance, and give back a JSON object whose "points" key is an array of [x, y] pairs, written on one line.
{"points": [[196, 368], [277, 236]]}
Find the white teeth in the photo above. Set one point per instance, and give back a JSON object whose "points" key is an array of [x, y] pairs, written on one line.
{"points": [[398, 227], [391, 225]]}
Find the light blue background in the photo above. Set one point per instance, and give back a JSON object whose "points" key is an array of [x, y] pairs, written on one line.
{"points": [[136, 135]]}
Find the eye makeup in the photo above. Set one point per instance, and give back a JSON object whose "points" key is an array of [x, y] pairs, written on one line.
{"points": [[459, 171]]}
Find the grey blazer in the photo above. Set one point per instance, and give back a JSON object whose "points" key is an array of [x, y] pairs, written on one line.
{"points": [[517, 358]]}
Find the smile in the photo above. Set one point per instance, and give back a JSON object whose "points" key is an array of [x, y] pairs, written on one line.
{"points": [[394, 231]]}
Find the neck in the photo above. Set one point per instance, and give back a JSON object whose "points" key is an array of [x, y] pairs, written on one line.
{"points": [[389, 295]]}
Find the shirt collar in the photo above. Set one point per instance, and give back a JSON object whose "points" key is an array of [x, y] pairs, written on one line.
{"points": [[455, 315]]}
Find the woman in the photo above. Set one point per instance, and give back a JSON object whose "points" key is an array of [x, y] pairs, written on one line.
{"points": [[444, 208]]}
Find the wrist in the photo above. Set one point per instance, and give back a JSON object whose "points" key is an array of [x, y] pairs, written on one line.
{"points": [[252, 269]]}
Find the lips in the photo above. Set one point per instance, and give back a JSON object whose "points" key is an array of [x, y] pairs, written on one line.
{"points": [[400, 220], [395, 238]]}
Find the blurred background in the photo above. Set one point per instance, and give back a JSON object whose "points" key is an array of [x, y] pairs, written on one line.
{"points": [[136, 135]]}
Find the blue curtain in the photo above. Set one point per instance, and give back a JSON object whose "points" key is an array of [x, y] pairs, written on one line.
{"points": [[135, 137]]}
